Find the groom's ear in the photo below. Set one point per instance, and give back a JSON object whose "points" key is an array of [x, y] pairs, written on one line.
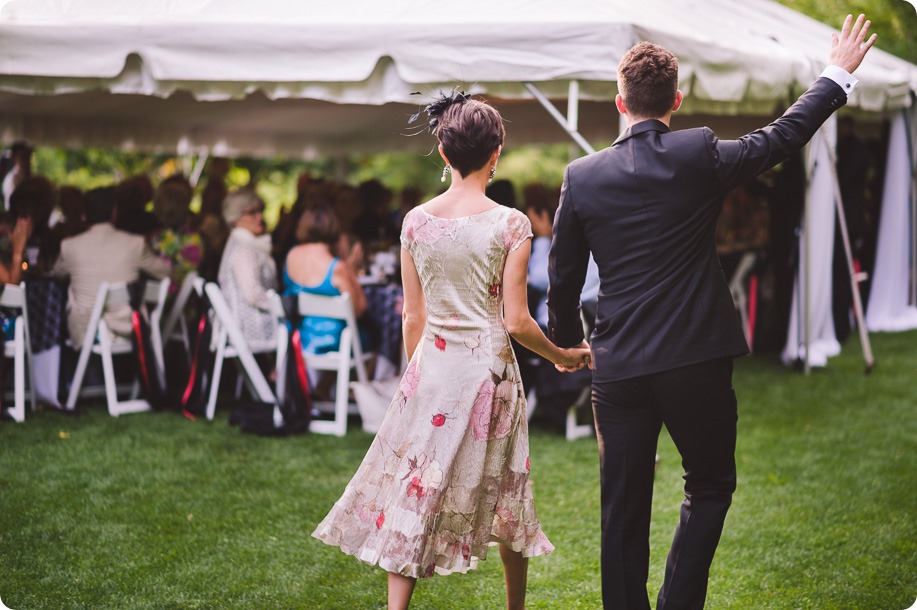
{"points": [[679, 98], [619, 104]]}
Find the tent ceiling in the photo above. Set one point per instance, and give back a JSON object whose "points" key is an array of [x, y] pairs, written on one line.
{"points": [[284, 77]]}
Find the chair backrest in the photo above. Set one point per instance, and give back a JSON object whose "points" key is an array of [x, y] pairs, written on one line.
{"points": [[13, 296], [155, 295], [334, 307], [228, 324], [337, 308], [115, 294], [743, 269], [192, 283]]}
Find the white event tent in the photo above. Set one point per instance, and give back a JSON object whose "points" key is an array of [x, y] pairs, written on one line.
{"points": [[299, 78]]}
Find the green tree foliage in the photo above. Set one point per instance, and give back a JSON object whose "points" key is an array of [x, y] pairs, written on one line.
{"points": [[895, 21]]}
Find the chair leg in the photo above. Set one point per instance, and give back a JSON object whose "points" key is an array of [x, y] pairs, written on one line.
{"points": [[575, 430], [78, 375], [18, 410], [115, 407], [340, 398], [185, 338], [108, 370], [217, 372], [33, 398]]}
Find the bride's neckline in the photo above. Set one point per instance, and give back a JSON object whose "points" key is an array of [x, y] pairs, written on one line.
{"points": [[488, 210]]}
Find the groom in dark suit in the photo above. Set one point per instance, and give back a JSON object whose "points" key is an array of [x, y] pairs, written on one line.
{"points": [[667, 330]]}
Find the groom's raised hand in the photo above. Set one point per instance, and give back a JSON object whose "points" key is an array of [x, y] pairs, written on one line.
{"points": [[850, 46]]}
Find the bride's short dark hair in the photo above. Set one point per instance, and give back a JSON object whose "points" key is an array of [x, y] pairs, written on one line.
{"points": [[469, 131]]}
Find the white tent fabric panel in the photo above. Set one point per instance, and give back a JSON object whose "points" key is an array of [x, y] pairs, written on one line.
{"points": [[196, 74], [815, 262], [889, 306]]}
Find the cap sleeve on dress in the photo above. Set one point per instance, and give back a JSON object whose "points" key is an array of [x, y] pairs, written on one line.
{"points": [[407, 229], [518, 229]]}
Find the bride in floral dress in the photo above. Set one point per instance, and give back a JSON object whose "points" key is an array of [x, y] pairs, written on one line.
{"points": [[447, 475]]}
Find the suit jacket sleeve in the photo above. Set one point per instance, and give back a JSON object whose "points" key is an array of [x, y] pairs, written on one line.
{"points": [[567, 263], [737, 161]]}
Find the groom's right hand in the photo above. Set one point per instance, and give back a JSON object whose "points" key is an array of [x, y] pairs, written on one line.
{"points": [[848, 48]]}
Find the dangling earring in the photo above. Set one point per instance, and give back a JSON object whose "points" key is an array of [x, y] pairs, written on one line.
{"points": [[446, 170], [493, 171]]}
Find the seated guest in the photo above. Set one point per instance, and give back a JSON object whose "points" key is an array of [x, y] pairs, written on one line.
{"points": [[312, 268], [503, 192], [14, 234], [209, 221], [372, 226], [20, 155], [542, 219], [131, 197], [70, 220], [555, 391], [176, 241], [247, 270], [102, 254], [34, 199]]}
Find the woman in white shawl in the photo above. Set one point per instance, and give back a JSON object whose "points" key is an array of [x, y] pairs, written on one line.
{"points": [[247, 270]]}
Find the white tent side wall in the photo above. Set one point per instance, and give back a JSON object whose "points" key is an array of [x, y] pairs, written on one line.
{"points": [[810, 336], [890, 305]]}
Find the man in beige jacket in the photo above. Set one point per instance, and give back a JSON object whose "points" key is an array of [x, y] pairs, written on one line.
{"points": [[102, 254]]}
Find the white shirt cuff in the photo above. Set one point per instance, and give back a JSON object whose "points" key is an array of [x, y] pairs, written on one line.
{"points": [[844, 79]]}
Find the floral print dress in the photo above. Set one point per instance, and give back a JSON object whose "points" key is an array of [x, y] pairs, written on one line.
{"points": [[447, 475]]}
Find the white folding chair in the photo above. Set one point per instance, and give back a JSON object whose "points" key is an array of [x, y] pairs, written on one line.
{"points": [[19, 349], [348, 357], [230, 343], [99, 339], [739, 293], [175, 328]]}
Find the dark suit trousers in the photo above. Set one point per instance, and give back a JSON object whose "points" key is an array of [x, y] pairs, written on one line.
{"points": [[697, 405]]}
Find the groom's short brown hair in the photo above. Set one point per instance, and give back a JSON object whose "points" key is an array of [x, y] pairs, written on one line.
{"points": [[648, 80]]}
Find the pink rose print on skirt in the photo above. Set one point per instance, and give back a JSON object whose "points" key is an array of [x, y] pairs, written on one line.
{"points": [[410, 380], [492, 412], [440, 343]]}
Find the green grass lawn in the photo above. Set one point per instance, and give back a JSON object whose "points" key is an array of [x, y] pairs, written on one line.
{"points": [[155, 511]]}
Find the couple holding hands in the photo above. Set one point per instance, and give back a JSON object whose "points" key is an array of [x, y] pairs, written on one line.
{"points": [[447, 475]]}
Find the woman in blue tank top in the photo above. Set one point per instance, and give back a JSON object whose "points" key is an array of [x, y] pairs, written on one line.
{"points": [[312, 268]]}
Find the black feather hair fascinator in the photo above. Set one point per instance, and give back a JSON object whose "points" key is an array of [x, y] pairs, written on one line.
{"points": [[436, 109]]}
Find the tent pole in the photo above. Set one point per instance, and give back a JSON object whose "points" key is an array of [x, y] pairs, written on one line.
{"points": [[561, 120], [199, 167], [912, 132], [805, 272], [848, 253], [573, 113]]}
